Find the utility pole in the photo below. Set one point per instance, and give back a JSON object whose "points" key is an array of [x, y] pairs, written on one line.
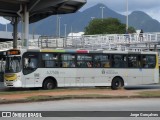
{"points": [[59, 26], [65, 30], [126, 15], [102, 12], [6, 27]]}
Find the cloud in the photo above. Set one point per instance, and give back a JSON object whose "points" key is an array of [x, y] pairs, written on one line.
{"points": [[154, 13], [120, 5], [151, 7], [4, 21]]}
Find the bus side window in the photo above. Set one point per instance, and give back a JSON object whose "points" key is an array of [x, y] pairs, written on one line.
{"points": [[144, 62], [134, 61], [49, 60], [84, 61], [67, 60], [101, 60], [148, 61], [119, 61]]}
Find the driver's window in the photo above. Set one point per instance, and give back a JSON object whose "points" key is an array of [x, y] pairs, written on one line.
{"points": [[30, 62]]}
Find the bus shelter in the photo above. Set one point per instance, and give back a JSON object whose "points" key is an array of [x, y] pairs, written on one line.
{"points": [[29, 11]]}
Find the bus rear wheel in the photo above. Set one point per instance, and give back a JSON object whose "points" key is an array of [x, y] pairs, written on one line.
{"points": [[117, 83], [49, 84]]}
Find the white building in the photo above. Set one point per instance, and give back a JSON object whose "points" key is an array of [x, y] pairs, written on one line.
{"points": [[76, 35]]}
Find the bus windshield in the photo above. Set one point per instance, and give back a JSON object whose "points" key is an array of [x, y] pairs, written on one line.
{"points": [[13, 64]]}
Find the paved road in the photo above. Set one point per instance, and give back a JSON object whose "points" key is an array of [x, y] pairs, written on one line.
{"points": [[89, 105], [152, 104]]}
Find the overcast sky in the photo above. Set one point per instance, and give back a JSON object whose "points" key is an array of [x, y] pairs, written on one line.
{"points": [[151, 7]]}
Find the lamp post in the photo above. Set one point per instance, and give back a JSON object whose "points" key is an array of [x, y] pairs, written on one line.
{"points": [[65, 30], [126, 15], [59, 26], [72, 33], [6, 27], [102, 12]]}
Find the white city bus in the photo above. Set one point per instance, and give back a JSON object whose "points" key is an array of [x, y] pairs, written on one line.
{"points": [[63, 68]]}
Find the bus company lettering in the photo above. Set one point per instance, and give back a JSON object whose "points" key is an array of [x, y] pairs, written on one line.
{"points": [[109, 72], [53, 72]]}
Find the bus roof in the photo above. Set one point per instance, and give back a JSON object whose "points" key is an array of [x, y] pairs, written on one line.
{"points": [[87, 51], [95, 51]]}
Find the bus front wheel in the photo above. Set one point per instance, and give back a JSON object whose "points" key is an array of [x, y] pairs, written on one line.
{"points": [[117, 83], [49, 84]]}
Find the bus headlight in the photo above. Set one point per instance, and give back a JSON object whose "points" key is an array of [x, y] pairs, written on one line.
{"points": [[10, 77]]}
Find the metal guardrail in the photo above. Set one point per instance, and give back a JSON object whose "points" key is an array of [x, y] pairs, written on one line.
{"points": [[107, 41]]}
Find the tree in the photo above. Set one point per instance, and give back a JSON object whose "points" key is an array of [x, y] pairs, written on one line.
{"points": [[107, 26]]}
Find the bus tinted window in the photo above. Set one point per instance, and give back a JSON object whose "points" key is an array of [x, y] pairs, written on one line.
{"points": [[148, 61], [30, 62], [14, 64], [101, 61], [134, 61], [119, 61], [49, 60], [67, 60], [84, 61]]}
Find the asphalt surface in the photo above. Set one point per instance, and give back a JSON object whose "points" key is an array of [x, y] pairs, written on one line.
{"points": [[136, 104]]}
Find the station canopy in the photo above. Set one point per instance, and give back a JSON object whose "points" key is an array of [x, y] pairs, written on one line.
{"points": [[39, 9]]}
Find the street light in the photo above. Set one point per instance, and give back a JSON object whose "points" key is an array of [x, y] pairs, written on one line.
{"points": [[126, 15], [6, 27], [65, 30], [59, 26], [102, 11], [72, 33]]}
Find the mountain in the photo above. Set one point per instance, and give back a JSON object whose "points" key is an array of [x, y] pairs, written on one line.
{"points": [[140, 20], [76, 22]]}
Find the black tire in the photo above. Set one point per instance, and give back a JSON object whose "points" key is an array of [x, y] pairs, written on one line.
{"points": [[117, 83], [49, 84]]}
